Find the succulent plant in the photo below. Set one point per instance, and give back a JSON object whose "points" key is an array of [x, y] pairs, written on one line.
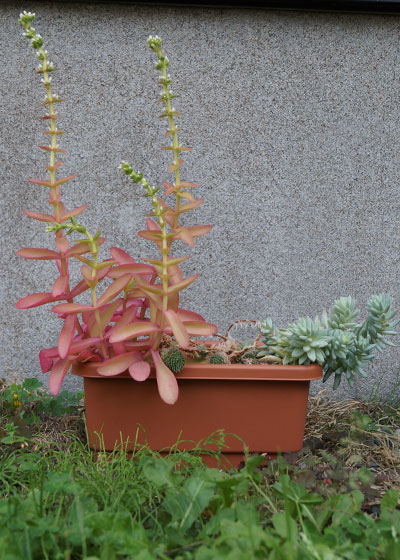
{"points": [[379, 322], [174, 359], [216, 359], [342, 346], [303, 342]]}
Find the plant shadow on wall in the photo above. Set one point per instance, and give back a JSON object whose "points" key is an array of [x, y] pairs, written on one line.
{"points": [[136, 328]]}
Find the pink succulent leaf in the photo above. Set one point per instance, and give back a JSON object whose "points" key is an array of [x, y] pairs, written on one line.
{"points": [[40, 216], [119, 347], [127, 317], [78, 249], [140, 370], [41, 182], [86, 272], [176, 274], [173, 301], [62, 244], [57, 375], [79, 288], [174, 166], [150, 235], [179, 331], [78, 345], [59, 286], [46, 360], [169, 189], [184, 235], [116, 287], [140, 328], [190, 205], [166, 380], [74, 212], [105, 314], [200, 329], [71, 308], [121, 256], [118, 364], [60, 267], [186, 315], [137, 268], [58, 163], [34, 300], [38, 254], [181, 285], [188, 184], [151, 225], [198, 231], [188, 196], [66, 336]]}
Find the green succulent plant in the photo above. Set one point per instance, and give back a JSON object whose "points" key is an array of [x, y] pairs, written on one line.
{"points": [[216, 359], [336, 342], [174, 360]]}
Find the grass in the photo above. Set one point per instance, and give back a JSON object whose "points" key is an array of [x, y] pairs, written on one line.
{"points": [[336, 498]]}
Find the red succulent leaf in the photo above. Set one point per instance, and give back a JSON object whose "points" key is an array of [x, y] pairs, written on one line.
{"points": [[57, 375], [151, 225], [184, 235], [38, 254], [195, 328], [140, 370], [86, 272], [166, 381], [190, 206], [188, 185], [78, 345], [50, 149], [79, 288], [78, 249], [175, 274], [137, 268], [105, 315], [34, 300], [46, 359], [173, 301], [186, 315], [116, 287], [150, 235], [178, 328], [198, 231], [121, 256], [188, 196], [64, 180], [71, 308], [62, 244], [66, 336], [40, 216], [54, 167], [74, 212], [181, 285], [118, 364], [59, 286], [125, 319], [140, 328], [174, 166]]}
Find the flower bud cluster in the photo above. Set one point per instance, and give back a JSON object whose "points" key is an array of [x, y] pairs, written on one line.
{"points": [[154, 43]]}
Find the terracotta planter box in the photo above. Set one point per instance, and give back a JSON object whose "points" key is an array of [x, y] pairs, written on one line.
{"points": [[265, 405]]}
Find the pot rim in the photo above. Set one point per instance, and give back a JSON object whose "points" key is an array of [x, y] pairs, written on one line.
{"points": [[215, 372]]}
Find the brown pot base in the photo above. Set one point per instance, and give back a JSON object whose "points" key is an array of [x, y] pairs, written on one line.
{"points": [[262, 405]]}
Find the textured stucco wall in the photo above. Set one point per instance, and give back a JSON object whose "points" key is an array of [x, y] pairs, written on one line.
{"points": [[294, 122]]}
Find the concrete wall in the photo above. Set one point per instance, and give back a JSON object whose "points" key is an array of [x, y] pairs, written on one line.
{"points": [[293, 118]]}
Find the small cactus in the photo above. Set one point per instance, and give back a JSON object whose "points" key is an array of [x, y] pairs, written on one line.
{"points": [[174, 359], [216, 359]]}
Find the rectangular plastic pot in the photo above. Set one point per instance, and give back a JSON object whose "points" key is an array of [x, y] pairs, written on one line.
{"points": [[265, 405]]}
